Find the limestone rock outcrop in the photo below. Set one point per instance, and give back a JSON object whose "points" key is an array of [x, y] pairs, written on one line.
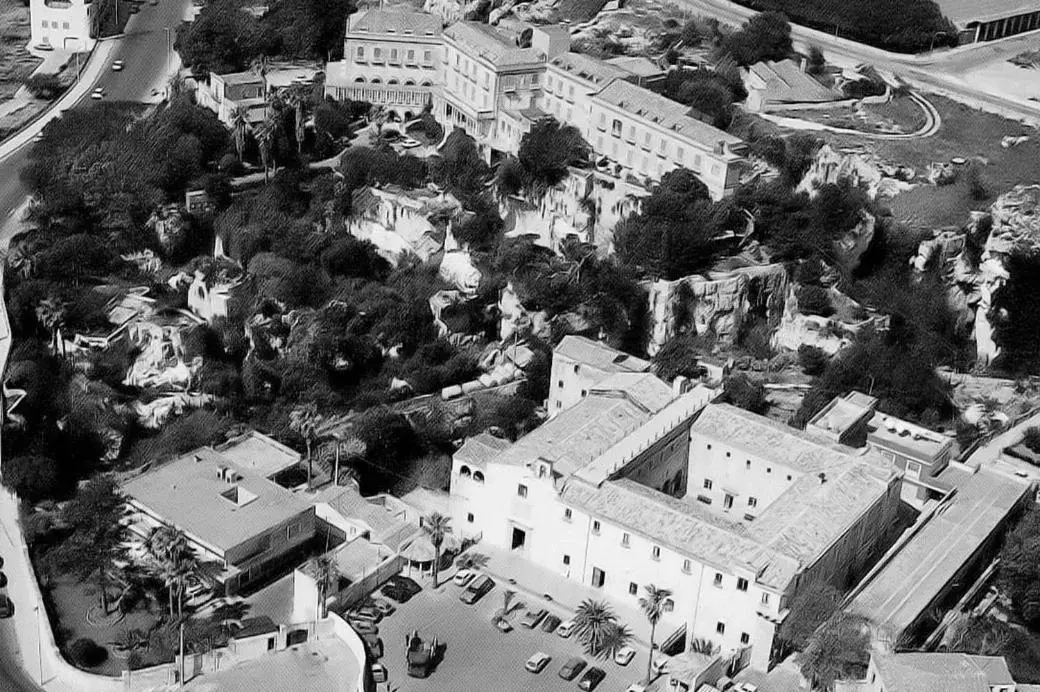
{"points": [[831, 167], [171, 226]]}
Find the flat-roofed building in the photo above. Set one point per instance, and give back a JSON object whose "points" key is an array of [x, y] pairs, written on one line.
{"points": [[62, 24], [945, 672], [241, 523], [988, 20], [391, 58]]}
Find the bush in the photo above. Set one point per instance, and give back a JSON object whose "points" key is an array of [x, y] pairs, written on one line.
{"points": [[816, 61], [87, 653], [812, 359], [814, 300], [750, 395], [1031, 439], [45, 86], [766, 36]]}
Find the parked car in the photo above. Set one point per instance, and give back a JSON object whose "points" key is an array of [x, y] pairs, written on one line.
{"points": [[538, 662], [532, 618], [409, 143], [624, 655], [363, 626], [3, 580], [367, 612], [636, 687], [550, 623], [502, 624], [117, 66], [463, 577], [379, 673], [6, 607], [477, 589], [373, 642], [383, 606], [566, 629], [571, 668], [746, 687], [591, 680], [97, 94], [400, 589]]}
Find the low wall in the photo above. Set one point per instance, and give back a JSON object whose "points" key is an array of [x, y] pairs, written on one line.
{"points": [[358, 590]]}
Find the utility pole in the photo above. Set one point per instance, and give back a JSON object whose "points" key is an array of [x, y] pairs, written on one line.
{"points": [[182, 655], [169, 57], [39, 643]]}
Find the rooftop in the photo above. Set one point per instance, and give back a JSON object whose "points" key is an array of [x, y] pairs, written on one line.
{"points": [[636, 64], [249, 77], [258, 453], [386, 526], [213, 499], [667, 113], [394, 22], [949, 672], [353, 559], [965, 12], [579, 434], [481, 449], [931, 559], [321, 665], [252, 627], [907, 438], [785, 82], [491, 44], [598, 355], [589, 69]]}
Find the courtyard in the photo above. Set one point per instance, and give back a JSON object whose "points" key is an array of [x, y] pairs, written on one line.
{"points": [[479, 657]]}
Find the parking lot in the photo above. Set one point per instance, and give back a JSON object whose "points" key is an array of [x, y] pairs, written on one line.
{"points": [[477, 656]]}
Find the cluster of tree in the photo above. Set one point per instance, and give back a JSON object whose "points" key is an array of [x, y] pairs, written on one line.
{"points": [[1019, 573], [711, 93], [679, 230], [1016, 314], [838, 650], [905, 27], [766, 36], [46, 86], [224, 38], [546, 152]]}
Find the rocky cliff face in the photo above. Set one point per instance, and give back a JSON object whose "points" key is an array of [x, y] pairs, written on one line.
{"points": [[718, 304], [973, 260]]}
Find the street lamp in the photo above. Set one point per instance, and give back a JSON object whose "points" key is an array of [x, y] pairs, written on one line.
{"points": [[39, 643], [169, 55], [935, 36]]}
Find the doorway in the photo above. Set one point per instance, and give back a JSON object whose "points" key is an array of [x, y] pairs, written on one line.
{"points": [[519, 539]]}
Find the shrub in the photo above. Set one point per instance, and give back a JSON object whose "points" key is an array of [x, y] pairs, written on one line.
{"points": [[87, 653], [45, 86], [816, 61], [814, 300], [812, 359], [750, 395], [1031, 439]]}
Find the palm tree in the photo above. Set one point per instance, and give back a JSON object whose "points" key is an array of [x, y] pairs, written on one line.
{"points": [[326, 575], [700, 645], [509, 605], [653, 607], [239, 128], [437, 527], [615, 637], [174, 562], [265, 135], [296, 97], [593, 621], [259, 66], [378, 115], [51, 314], [20, 258], [474, 561], [304, 421]]}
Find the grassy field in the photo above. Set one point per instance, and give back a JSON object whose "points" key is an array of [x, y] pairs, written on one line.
{"points": [[16, 64]]}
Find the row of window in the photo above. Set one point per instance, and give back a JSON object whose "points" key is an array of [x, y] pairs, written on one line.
{"points": [[54, 25], [647, 141], [394, 57], [747, 463]]}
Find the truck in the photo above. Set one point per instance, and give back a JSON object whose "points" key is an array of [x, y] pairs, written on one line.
{"points": [[421, 655]]}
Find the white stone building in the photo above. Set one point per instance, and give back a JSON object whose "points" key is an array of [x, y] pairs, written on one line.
{"points": [[579, 363], [62, 24]]}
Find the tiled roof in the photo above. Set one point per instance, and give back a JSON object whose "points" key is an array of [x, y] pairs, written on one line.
{"points": [[935, 672], [481, 449], [964, 12], [644, 388], [579, 434], [667, 113], [637, 65], [683, 526], [598, 355], [395, 22], [904, 588], [589, 69], [786, 83], [491, 44]]}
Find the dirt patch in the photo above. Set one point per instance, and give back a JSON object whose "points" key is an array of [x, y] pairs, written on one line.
{"points": [[16, 64]]}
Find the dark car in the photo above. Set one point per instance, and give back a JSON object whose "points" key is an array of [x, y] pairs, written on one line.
{"points": [[367, 613], [374, 644], [477, 589], [592, 678], [533, 617], [550, 623], [363, 626], [400, 589], [6, 607], [571, 668]]}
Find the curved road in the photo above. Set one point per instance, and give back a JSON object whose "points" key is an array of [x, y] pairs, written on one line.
{"points": [[144, 51]]}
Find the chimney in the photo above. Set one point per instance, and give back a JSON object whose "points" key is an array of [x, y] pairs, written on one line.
{"points": [[803, 64]]}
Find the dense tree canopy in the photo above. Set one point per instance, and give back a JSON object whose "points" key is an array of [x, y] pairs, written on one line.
{"points": [[1019, 574], [547, 150], [766, 36]]}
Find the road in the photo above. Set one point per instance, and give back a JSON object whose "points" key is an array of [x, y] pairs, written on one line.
{"points": [[148, 61]]}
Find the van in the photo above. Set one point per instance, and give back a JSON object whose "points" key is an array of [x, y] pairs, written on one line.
{"points": [[476, 589]]}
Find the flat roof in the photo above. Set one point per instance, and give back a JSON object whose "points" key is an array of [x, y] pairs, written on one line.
{"points": [[949, 672], [638, 65], [907, 438], [322, 665], [259, 453], [599, 355], [905, 587], [189, 493], [241, 78], [964, 12]]}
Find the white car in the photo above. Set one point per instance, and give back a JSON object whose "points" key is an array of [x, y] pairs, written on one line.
{"points": [[409, 143], [566, 629], [97, 94], [379, 673], [538, 662], [746, 687], [624, 655], [117, 66], [636, 687], [38, 137], [463, 577]]}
